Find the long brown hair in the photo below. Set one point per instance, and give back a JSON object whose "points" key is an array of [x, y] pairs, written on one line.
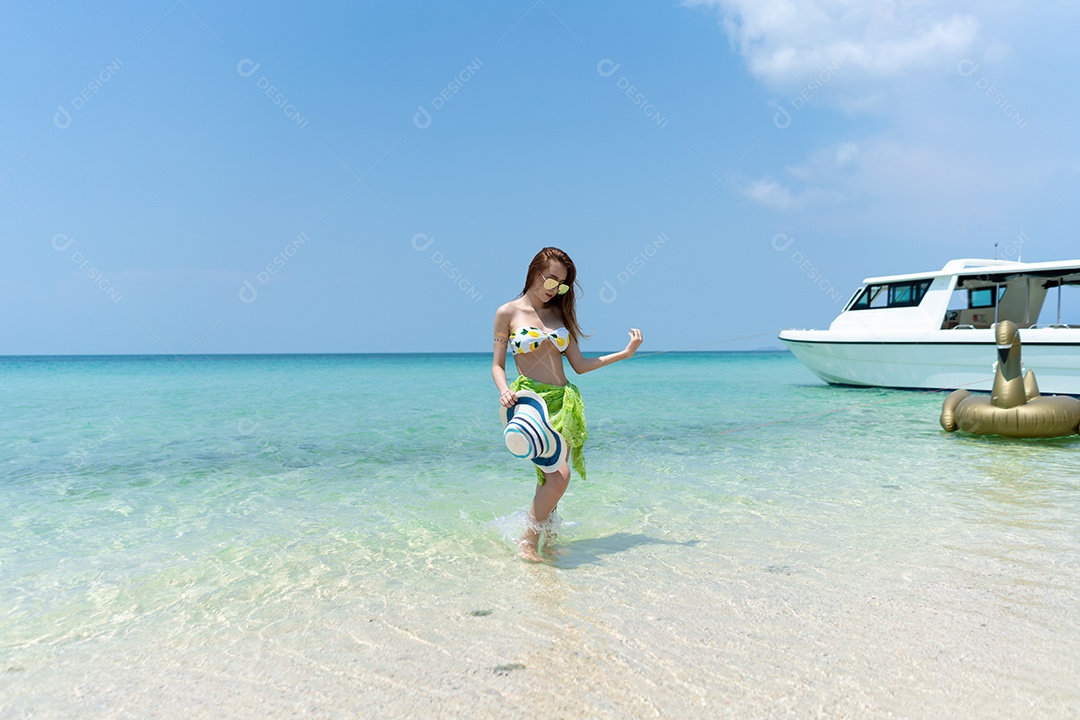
{"points": [[564, 303]]}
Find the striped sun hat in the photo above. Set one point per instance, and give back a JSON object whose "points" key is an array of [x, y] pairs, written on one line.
{"points": [[528, 433]]}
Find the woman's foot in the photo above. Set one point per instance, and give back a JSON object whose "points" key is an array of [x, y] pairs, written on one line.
{"points": [[529, 544], [550, 528], [550, 550], [528, 551]]}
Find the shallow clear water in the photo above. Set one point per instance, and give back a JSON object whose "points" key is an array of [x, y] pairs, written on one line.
{"points": [[277, 535]]}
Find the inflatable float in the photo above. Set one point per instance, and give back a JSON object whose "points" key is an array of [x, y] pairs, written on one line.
{"points": [[1014, 408]]}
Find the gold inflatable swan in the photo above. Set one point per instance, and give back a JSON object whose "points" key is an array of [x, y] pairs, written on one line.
{"points": [[1014, 408]]}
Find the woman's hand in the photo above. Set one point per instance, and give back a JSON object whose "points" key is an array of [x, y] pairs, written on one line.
{"points": [[635, 342], [508, 399]]}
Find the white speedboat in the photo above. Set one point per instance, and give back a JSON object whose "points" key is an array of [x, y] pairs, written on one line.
{"points": [[934, 330]]}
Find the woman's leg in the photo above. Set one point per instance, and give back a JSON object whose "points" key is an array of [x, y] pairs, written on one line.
{"points": [[544, 502], [548, 495]]}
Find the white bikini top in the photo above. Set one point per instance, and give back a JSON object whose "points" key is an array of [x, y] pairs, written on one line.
{"points": [[526, 339]]}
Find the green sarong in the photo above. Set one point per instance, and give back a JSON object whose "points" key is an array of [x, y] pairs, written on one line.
{"points": [[567, 415]]}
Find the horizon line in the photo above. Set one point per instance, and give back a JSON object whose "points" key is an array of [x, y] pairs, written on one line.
{"points": [[350, 353]]}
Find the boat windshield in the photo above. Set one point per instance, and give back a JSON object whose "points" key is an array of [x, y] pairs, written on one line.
{"points": [[892, 295]]}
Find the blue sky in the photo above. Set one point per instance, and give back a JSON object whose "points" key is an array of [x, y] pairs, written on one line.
{"points": [[183, 176]]}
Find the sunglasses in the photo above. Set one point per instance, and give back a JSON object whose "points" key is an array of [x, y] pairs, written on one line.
{"points": [[551, 284]]}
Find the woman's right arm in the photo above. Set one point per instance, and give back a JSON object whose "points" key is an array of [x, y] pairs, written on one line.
{"points": [[507, 397]]}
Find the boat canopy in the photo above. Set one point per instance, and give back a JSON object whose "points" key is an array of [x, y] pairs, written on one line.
{"points": [[1054, 278], [992, 272]]}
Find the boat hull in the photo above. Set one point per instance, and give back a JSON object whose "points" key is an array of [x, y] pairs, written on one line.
{"points": [[937, 361]]}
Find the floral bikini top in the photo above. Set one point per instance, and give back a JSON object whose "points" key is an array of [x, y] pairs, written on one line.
{"points": [[526, 339]]}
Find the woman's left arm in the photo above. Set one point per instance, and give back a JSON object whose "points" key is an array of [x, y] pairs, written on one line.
{"points": [[583, 364]]}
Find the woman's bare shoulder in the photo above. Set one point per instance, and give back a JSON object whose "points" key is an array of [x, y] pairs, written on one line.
{"points": [[508, 310], [506, 313]]}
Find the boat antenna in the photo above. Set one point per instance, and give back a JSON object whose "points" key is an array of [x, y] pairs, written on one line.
{"points": [[995, 251], [1022, 239]]}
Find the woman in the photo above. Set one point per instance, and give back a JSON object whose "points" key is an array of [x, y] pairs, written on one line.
{"points": [[540, 327]]}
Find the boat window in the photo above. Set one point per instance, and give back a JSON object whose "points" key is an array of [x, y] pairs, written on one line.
{"points": [[868, 298], [1062, 306], [973, 307], [904, 294], [1041, 298], [900, 295], [907, 294], [981, 297]]}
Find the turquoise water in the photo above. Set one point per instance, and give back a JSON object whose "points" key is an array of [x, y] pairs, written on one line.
{"points": [[333, 535]]}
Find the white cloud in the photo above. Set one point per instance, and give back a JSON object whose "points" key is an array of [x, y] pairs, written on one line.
{"points": [[770, 194], [824, 178], [956, 122], [848, 47], [948, 182]]}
